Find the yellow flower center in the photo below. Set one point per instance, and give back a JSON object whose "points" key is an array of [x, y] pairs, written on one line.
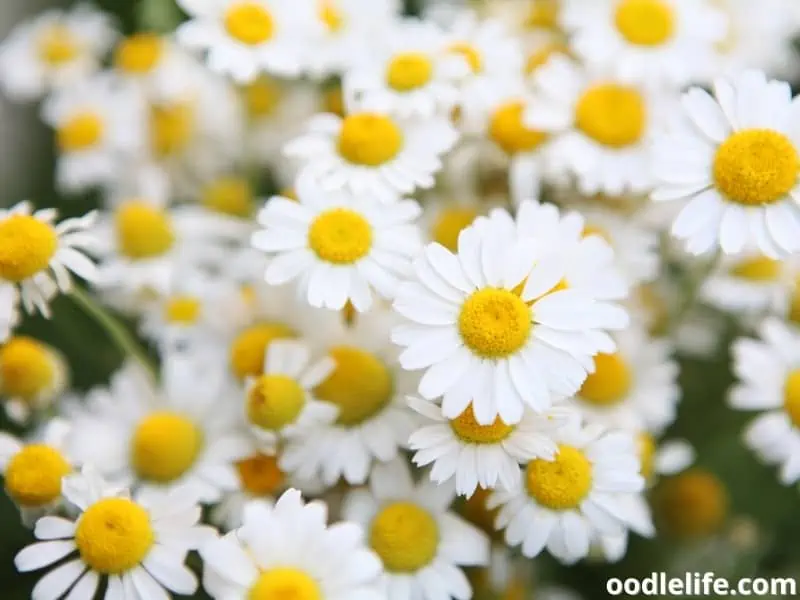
{"points": [[171, 128], [183, 310], [494, 323], [262, 97], [542, 14], [260, 475], [612, 115], [360, 386], [508, 131], [541, 55], [791, 397], [405, 536], [250, 347], [26, 368], [645, 22], [139, 54], [759, 269], [249, 23], [33, 475], [646, 446], [610, 382], [79, 132], [469, 53], [450, 223], [285, 584], [165, 445], [275, 401], [330, 15], [692, 504], [114, 535], [231, 196], [561, 484], [340, 236], [26, 247], [369, 139], [466, 427], [409, 71], [143, 231], [57, 46], [756, 166]]}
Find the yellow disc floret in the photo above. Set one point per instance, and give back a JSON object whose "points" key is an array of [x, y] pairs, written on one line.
{"points": [[449, 224], [143, 230], [182, 310], [27, 368], [250, 347], [171, 128], [470, 54], [249, 23], [57, 45], [754, 167], [409, 71], [330, 15], [645, 22], [561, 484], [405, 536], [33, 475], [79, 132], [231, 196], [114, 535], [369, 139], [340, 236], [285, 583], [165, 445], [26, 247], [692, 504], [275, 401], [542, 14], [139, 54], [758, 269], [510, 133], [466, 427], [791, 397], [260, 475], [262, 97], [612, 115], [610, 382], [494, 323]]}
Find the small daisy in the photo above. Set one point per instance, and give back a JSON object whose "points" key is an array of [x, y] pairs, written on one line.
{"points": [[657, 42], [482, 455], [231, 194], [768, 370], [371, 152], [137, 545], [339, 246], [565, 502], [304, 558], [423, 546], [692, 505], [55, 50], [737, 162]]}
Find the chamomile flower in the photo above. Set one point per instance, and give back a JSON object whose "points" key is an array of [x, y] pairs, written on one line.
{"points": [[736, 162], [310, 560], [138, 546], [656, 42], [691, 505], [338, 246], [563, 503], [423, 547], [768, 369], [371, 152], [55, 50], [482, 455], [445, 217]]}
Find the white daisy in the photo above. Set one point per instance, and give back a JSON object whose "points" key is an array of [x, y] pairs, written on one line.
{"points": [[423, 546], [338, 246], [54, 50], [137, 545], [736, 160], [565, 502], [303, 558]]}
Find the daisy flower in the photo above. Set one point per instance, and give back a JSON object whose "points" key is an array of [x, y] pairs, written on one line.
{"points": [[179, 437], [309, 560], [563, 503], [370, 152], [338, 246], [138, 546], [481, 455], [231, 194], [693, 505], [423, 547], [54, 50], [36, 258], [768, 370], [656, 42], [737, 163]]}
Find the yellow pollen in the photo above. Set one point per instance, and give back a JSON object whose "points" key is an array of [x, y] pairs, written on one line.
{"points": [[27, 368], [369, 139], [409, 71], [340, 236], [143, 230], [759, 269], [139, 54], [563, 483], [692, 504], [494, 323], [260, 475], [755, 167], [26, 247], [610, 382], [275, 401], [330, 15], [509, 132], [450, 223], [79, 132], [250, 347], [333, 101], [645, 22], [466, 427], [114, 535], [262, 97], [171, 128], [33, 475], [231, 196], [612, 115], [470, 54], [184, 310], [285, 584], [249, 23], [791, 397], [646, 446], [540, 56], [360, 385], [165, 445], [405, 537], [542, 14], [57, 46]]}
